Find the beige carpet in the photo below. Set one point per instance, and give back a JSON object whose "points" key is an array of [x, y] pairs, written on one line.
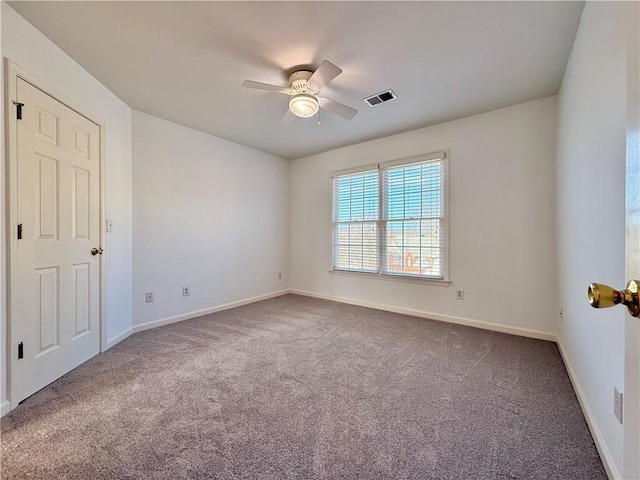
{"points": [[295, 387]]}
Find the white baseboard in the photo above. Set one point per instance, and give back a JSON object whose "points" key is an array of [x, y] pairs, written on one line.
{"points": [[118, 338], [523, 332], [601, 446], [206, 311], [5, 408]]}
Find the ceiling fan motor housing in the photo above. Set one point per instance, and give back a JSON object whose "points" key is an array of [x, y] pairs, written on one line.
{"points": [[298, 82]]}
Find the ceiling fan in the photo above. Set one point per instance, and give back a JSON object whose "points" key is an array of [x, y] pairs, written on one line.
{"points": [[304, 90]]}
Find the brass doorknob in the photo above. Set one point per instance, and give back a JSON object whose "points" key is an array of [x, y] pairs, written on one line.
{"points": [[603, 296], [96, 251]]}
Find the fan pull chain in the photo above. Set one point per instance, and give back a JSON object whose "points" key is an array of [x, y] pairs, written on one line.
{"points": [[319, 117]]}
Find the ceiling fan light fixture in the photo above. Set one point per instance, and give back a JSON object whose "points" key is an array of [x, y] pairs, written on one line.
{"points": [[304, 105]]}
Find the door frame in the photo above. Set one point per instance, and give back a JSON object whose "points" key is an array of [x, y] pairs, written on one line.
{"points": [[13, 73], [631, 402]]}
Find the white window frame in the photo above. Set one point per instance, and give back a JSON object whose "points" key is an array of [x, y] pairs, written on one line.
{"points": [[440, 155]]}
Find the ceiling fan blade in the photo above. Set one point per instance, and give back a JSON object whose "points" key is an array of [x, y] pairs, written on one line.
{"points": [[326, 72], [265, 86], [287, 118], [338, 108]]}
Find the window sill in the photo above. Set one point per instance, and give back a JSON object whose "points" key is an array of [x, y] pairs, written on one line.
{"points": [[393, 278]]}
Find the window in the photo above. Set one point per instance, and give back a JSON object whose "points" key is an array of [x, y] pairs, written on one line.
{"points": [[390, 219], [355, 222]]}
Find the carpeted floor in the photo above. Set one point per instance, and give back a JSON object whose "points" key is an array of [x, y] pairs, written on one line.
{"points": [[295, 387]]}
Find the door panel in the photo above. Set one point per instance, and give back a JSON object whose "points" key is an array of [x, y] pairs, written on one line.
{"points": [[56, 314], [47, 126], [47, 314], [82, 294], [47, 198], [80, 204]]}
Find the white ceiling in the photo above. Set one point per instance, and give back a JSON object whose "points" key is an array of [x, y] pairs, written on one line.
{"points": [[185, 61]]}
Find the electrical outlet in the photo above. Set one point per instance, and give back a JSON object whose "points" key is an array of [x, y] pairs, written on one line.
{"points": [[459, 294], [185, 291], [148, 297], [279, 275], [109, 225], [617, 403]]}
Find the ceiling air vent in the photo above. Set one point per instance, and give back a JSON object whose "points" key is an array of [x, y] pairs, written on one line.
{"points": [[379, 98]]}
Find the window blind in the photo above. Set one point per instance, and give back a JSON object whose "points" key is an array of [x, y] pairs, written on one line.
{"points": [[413, 219], [355, 221]]}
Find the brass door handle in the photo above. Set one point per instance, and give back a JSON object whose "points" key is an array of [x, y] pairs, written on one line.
{"points": [[603, 296], [96, 251]]}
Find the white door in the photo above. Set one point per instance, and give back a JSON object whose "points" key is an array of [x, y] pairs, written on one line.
{"points": [[631, 399], [55, 318]]}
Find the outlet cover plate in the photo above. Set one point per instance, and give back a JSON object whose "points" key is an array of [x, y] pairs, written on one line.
{"points": [[617, 404], [460, 294]]}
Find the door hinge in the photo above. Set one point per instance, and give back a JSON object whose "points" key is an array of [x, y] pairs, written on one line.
{"points": [[20, 351], [19, 231], [19, 110]]}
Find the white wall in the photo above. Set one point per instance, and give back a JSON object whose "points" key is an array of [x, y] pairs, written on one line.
{"points": [[34, 53], [208, 214], [590, 223], [501, 215]]}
